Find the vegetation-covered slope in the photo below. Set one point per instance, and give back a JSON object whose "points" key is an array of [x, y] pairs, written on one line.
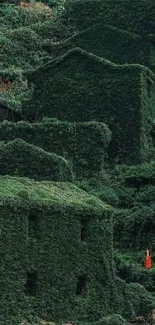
{"points": [[103, 95], [23, 32]]}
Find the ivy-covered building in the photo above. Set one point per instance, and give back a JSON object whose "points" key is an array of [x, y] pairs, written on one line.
{"points": [[56, 245], [80, 87], [56, 250], [111, 43], [19, 158], [78, 147]]}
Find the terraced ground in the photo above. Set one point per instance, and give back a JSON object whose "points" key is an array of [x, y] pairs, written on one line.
{"points": [[77, 161]]}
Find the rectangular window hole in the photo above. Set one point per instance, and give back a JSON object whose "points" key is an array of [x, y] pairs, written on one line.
{"points": [[32, 225], [83, 229], [31, 283], [81, 285]]}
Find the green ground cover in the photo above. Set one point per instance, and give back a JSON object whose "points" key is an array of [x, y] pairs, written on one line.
{"points": [[76, 252]]}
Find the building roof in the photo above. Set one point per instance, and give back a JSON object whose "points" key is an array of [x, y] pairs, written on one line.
{"points": [[77, 52], [48, 193]]}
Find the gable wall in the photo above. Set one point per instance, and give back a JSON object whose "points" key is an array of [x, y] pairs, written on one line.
{"points": [[46, 240]]}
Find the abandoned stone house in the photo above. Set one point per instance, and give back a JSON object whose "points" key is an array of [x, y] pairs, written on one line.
{"points": [[56, 246], [111, 43], [56, 240], [80, 87]]}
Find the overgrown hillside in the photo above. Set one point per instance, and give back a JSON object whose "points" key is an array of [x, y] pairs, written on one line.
{"points": [[77, 104], [25, 30]]}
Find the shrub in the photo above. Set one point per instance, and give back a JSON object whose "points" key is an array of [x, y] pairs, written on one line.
{"points": [[114, 319]]}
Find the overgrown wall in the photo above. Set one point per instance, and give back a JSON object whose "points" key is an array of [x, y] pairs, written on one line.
{"points": [[82, 87], [148, 114], [18, 158], [51, 235], [111, 43], [137, 18], [135, 224], [57, 255], [83, 144]]}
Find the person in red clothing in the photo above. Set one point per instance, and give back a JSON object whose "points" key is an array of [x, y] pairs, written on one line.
{"points": [[148, 260]]}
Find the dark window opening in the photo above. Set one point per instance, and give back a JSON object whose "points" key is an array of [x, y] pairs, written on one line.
{"points": [[32, 219], [134, 181], [31, 283], [81, 285], [83, 229]]}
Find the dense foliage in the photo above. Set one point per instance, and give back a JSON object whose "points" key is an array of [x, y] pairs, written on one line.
{"points": [[77, 98]]}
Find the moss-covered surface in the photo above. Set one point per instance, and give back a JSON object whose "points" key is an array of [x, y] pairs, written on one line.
{"points": [[111, 43], [44, 255], [57, 256], [84, 144], [22, 159], [50, 192], [119, 98], [131, 190], [41, 232], [137, 18], [136, 221]]}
